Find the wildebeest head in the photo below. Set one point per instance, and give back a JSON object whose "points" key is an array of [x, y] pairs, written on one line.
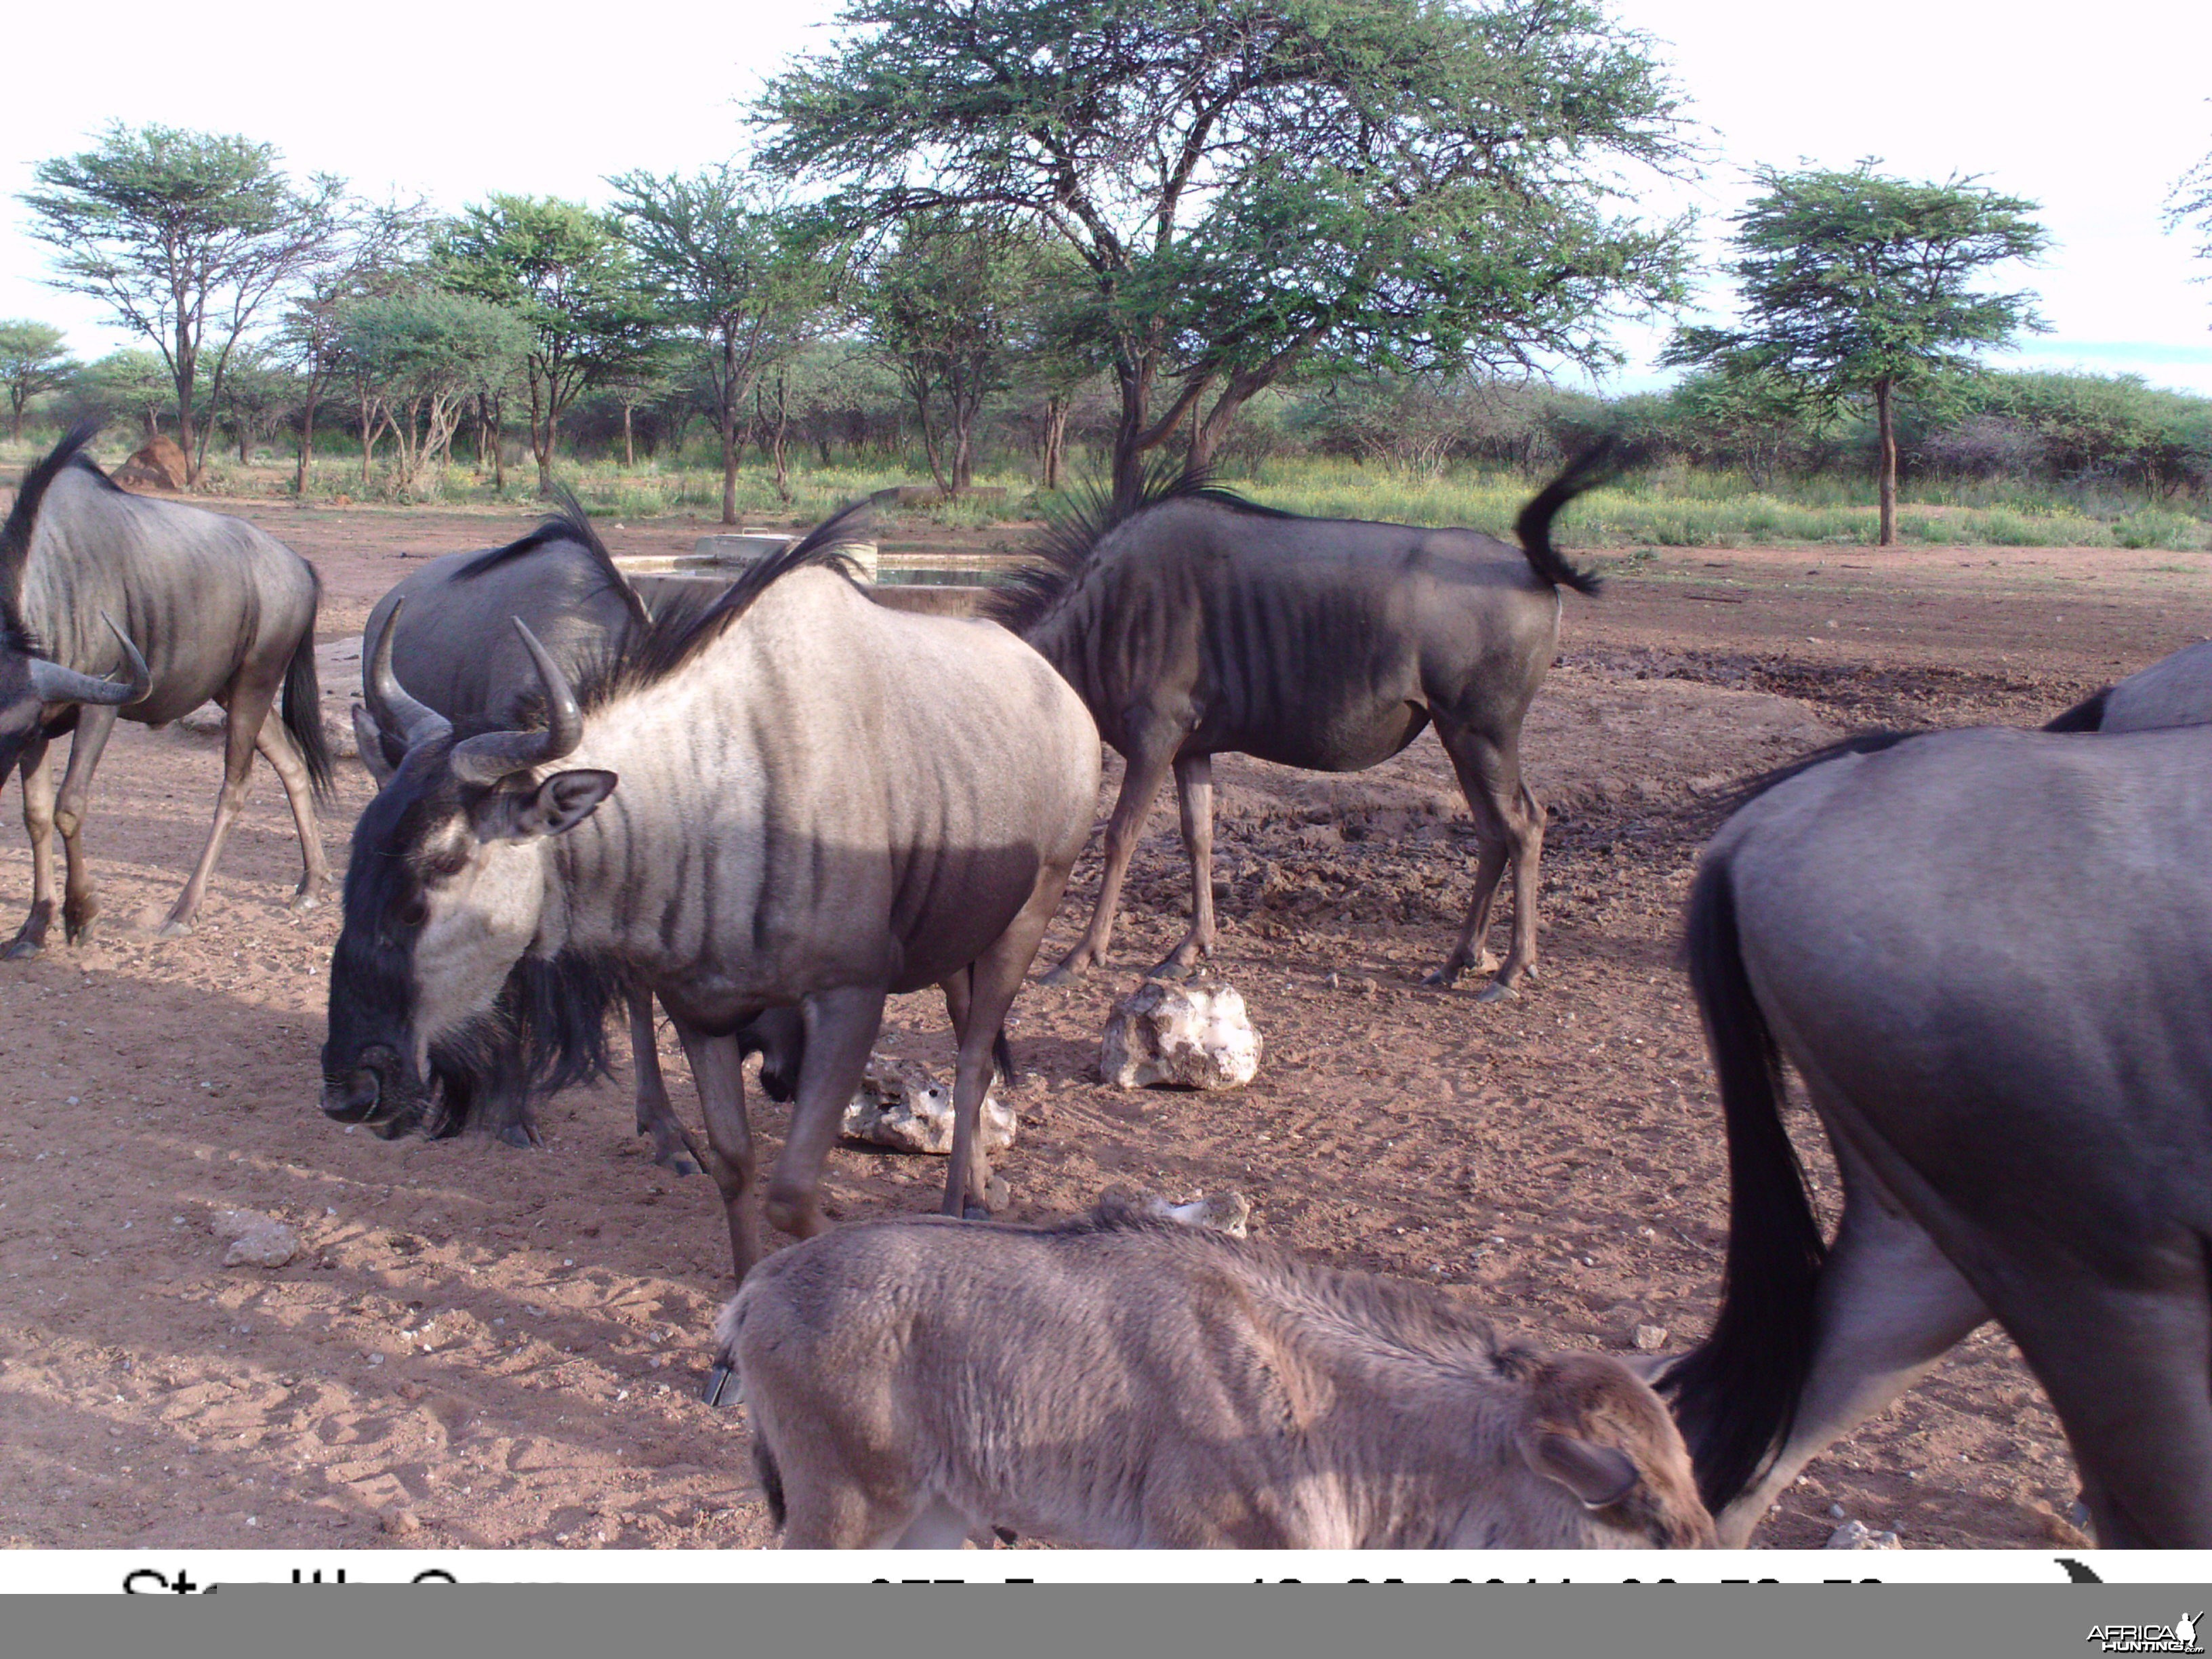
{"points": [[444, 892], [34, 688]]}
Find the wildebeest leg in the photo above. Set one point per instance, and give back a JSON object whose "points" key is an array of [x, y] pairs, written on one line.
{"points": [[1194, 776], [2128, 1369], [39, 824], [841, 1029], [1887, 1305], [718, 1072], [1509, 825], [1147, 769], [80, 904], [994, 978], [656, 1116], [283, 755], [250, 702]]}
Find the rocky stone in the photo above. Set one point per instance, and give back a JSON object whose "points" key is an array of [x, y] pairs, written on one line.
{"points": [[902, 1107], [1858, 1536], [1219, 1212], [159, 465], [402, 1523], [1195, 1035], [1648, 1339], [256, 1240]]}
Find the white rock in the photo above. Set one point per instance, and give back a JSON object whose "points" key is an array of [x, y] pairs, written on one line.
{"points": [[1220, 1213], [1195, 1035], [236, 1224], [1650, 1338], [904, 1108], [271, 1246], [1858, 1536]]}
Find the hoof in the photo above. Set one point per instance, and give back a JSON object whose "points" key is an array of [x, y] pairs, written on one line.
{"points": [[975, 1212], [1497, 991], [1062, 974], [22, 949], [678, 1165], [514, 1135], [717, 1387], [1441, 979], [306, 901], [174, 929]]}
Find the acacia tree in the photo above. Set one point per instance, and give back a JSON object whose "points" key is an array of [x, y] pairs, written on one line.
{"points": [[1252, 184], [2190, 200], [566, 272], [33, 359], [1858, 286], [376, 249], [185, 236], [947, 305], [420, 358], [736, 264]]}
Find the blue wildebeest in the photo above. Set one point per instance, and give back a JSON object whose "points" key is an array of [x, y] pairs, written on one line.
{"points": [[447, 633], [1988, 955], [1126, 1382], [2175, 690], [1196, 622], [220, 610], [809, 801]]}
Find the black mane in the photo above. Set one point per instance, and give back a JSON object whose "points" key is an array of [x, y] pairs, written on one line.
{"points": [[1056, 559], [1859, 743], [568, 522], [22, 519], [685, 627]]}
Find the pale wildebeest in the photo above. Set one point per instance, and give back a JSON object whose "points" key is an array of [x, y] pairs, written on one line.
{"points": [[2175, 690], [90, 575], [1195, 622], [1126, 1382], [448, 632], [809, 800], [1988, 955]]}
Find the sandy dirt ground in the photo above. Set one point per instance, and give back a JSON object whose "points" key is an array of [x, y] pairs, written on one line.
{"points": [[482, 1347]]}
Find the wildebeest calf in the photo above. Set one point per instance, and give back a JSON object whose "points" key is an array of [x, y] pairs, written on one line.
{"points": [[1126, 1382]]}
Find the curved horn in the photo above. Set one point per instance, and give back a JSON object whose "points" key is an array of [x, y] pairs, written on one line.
{"points": [[389, 705], [497, 755], [53, 683]]}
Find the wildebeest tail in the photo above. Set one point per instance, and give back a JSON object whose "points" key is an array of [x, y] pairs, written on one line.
{"points": [[2087, 715], [1002, 1057], [771, 1479], [1735, 1396], [1601, 462], [303, 702]]}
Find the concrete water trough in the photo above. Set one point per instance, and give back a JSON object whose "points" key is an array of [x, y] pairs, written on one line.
{"points": [[929, 584]]}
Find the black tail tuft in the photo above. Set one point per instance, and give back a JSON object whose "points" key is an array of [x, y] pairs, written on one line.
{"points": [[1002, 1057], [1735, 1396], [2087, 715], [771, 1479], [1601, 462], [303, 702]]}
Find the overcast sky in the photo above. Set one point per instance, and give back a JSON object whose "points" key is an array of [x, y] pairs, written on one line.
{"points": [[2094, 112]]}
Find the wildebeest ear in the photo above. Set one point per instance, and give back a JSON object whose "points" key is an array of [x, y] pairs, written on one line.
{"points": [[1599, 1475], [554, 807], [369, 738]]}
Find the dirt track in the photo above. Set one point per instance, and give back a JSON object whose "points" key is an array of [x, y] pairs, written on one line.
{"points": [[486, 1347]]}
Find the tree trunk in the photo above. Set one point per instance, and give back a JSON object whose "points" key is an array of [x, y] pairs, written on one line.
{"points": [[729, 429], [1055, 438], [307, 443], [367, 443], [15, 417], [1884, 421], [629, 443]]}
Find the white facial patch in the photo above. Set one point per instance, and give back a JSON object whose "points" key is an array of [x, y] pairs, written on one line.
{"points": [[474, 929]]}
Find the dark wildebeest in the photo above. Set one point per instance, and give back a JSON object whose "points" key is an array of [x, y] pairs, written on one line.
{"points": [[2175, 690], [821, 802], [1195, 622], [1988, 955], [1130, 1382], [88, 573], [447, 633]]}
